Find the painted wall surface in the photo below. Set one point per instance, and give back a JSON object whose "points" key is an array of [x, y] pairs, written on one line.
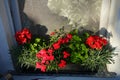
{"points": [[36, 12]]}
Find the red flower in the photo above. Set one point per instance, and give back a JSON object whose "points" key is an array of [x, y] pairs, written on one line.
{"points": [[56, 46], [96, 42], [20, 38], [62, 64], [42, 51], [42, 54], [60, 40], [23, 36], [69, 36], [38, 55], [65, 40], [40, 66], [104, 41], [45, 56], [52, 33], [97, 45], [50, 51], [66, 54], [25, 31], [51, 57], [90, 40]]}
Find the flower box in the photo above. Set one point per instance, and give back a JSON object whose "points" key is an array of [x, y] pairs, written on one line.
{"points": [[64, 52]]}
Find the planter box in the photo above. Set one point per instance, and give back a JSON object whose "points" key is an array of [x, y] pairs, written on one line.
{"points": [[69, 70]]}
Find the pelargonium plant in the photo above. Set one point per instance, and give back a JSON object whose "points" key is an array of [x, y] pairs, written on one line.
{"points": [[55, 56], [62, 48], [23, 36]]}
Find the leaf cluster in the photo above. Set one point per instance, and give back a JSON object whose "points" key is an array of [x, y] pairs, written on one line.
{"points": [[25, 55], [78, 49]]}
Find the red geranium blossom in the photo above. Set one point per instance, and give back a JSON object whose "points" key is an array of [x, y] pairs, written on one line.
{"points": [[50, 51], [69, 36], [27, 33], [51, 58], [43, 51], [44, 56], [52, 33], [65, 40], [96, 42], [23, 36], [56, 46], [40, 66], [62, 64], [66, 54]]}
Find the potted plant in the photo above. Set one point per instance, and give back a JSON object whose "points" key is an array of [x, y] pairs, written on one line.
{"points": [[88, 50]]}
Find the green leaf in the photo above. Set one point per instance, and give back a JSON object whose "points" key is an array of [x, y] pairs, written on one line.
{"points": [[77, 46], [87, 35], [35, 45], [76, 38], [71, 46], [37, 40], [83, 46], [86, 55], [32, 47]]}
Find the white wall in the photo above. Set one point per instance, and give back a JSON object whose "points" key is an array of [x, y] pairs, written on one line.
{"points": [[114, 29], [38, 12], [110, 20]]}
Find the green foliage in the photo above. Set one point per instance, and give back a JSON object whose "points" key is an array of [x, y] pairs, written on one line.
{"points": [[99, 58], [90, 58], [25, 55], [78, 49]]}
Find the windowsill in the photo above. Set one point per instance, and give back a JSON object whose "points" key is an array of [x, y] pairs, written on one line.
{"points": [[22, 77]]}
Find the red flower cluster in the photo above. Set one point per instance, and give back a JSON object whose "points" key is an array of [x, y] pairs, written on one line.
{"points": [[66, 54], [64, 40], [23, 36], [62, 64], [45, 56], [41, 66], [96, 42]]}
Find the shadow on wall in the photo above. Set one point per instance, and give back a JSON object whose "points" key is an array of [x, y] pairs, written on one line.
{"points": [[27, 22], [103, 32]]}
